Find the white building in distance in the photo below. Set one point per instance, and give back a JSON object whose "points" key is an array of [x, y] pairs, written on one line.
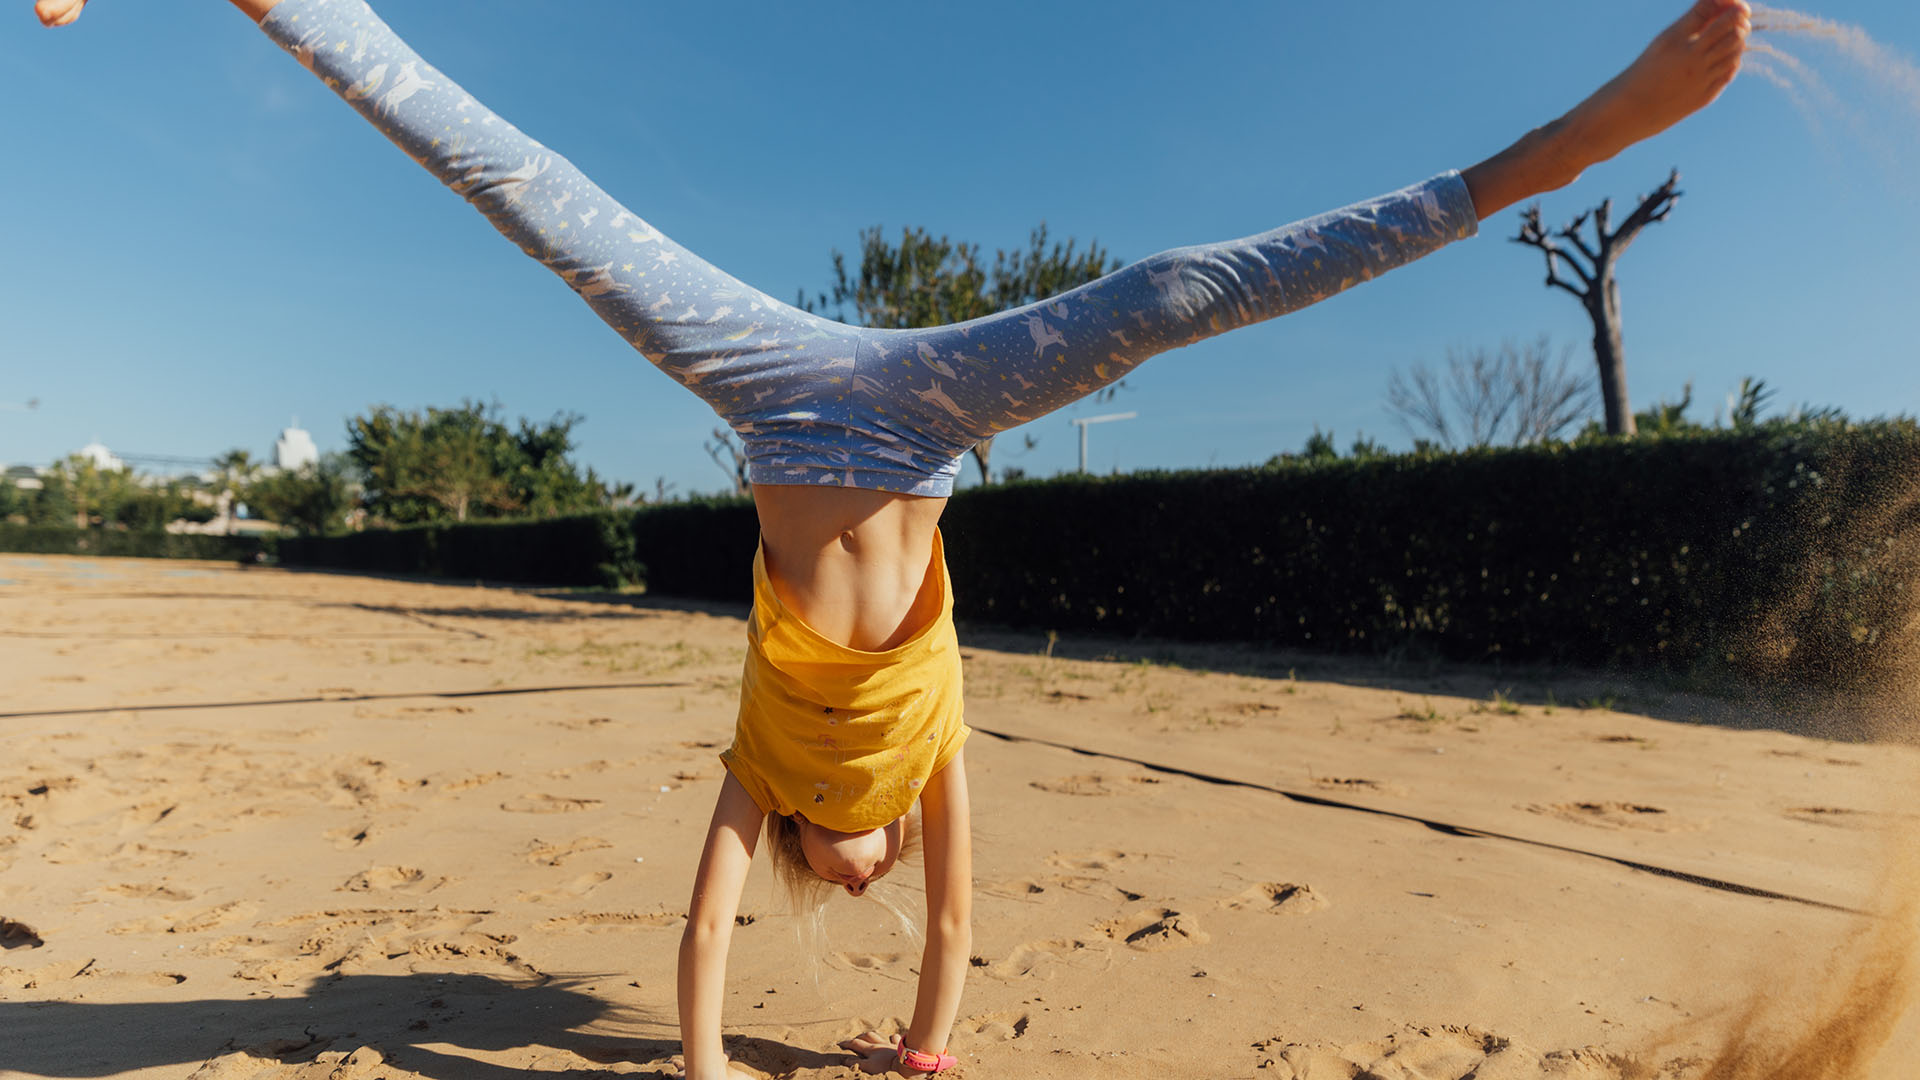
{"points": [[294, 450], [102, 458]]}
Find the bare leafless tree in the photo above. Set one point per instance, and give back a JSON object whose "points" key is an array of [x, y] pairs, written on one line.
{"points": [[1597, 289], [731, 458], [1519, 395]]}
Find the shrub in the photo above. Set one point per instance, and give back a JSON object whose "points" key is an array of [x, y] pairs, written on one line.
{"points": [[123, 543], [586, 549]]}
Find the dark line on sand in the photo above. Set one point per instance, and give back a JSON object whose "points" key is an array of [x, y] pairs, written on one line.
{"points": [[1437, 826], [336, 698]]}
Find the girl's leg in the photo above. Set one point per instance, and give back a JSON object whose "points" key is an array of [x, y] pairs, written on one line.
{"points": [[728, 342], [965, 382], [958, 384]]}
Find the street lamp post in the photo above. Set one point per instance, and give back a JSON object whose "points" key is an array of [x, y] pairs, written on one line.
{"points": [[1082, 425]]}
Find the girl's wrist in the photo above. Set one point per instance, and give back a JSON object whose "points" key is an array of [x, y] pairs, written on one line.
{"points": [[908, 1060]]}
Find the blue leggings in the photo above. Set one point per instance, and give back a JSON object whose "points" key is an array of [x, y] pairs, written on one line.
{"points": [[816, 401]]}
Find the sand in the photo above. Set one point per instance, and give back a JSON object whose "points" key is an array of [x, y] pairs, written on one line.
{"points": [[258, 823]]}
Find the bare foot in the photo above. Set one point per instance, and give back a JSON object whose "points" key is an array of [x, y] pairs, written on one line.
{"points": [[1682, 72], [58, 12]]}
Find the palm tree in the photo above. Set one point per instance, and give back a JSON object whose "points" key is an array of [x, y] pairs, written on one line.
{"points": [[233, 471]]}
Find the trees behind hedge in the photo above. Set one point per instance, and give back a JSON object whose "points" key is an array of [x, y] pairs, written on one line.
{"points": [[313, 499], [78, 493], [927, 281], [462, 463]]}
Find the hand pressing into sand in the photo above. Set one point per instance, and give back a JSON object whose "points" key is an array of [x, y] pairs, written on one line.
{"points": [[874, 1052]]}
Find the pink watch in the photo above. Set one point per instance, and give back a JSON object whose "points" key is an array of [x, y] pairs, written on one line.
{"points": [[920, 1060]]}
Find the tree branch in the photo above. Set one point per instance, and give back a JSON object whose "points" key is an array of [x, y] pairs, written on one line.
{"points": [[1572, 232], [1554, 279], [1533, 234], [1654, 207]]}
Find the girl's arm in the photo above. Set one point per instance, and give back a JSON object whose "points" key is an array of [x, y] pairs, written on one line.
{"points": [[703, 946], [948, 846]]}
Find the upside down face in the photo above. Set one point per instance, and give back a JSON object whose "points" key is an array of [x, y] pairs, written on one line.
{"points": [[851, 860]]}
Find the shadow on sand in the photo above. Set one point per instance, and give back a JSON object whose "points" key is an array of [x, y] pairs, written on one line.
{"points": [[422, 1023]]}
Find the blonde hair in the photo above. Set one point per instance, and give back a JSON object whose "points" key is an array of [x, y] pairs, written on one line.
{"points": [[807, 891]]}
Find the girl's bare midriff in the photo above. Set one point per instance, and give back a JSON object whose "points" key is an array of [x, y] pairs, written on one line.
{"points": [[852, 563]]}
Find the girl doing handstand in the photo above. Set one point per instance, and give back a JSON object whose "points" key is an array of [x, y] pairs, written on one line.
{"points": [[850, 712]]}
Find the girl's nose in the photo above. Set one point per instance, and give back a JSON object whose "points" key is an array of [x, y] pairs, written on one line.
{"points": [[857, 887]]}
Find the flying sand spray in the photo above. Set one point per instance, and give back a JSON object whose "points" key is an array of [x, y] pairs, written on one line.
{"points": [[1893, 73], [1839, 1020]]}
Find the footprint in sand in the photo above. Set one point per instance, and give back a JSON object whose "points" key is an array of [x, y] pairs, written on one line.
{"points": [[897, 966], [1031, 890], [572, 890], [1155, 930], [614, 920], [191, 922], [473, 781], [147, 891], [1838, 816], [18, 935], [350, 836], [1093, 860], [373, 940], [545, 854], [61, 982], [94, 977], [1027, 891], [484, 949], [141, 857], [548, 804], [289, 1057], [400, 879], [1095, 784], [585, 723], [244, 944], [1277, 898], [1033, 959], [1357, 785], [146, 815], [1613, 815], [997, 1026], [1441, 1053]]}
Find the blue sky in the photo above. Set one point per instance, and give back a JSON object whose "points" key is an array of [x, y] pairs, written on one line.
{"points": [[202, 243]]}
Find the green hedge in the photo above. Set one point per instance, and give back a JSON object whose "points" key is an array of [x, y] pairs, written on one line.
{"points": [[588, 549], [701, 549], [118, 543], [1789, 550]]}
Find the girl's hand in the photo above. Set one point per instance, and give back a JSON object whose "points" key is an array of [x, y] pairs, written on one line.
{"points": [[58, 12], [873, 1052]]}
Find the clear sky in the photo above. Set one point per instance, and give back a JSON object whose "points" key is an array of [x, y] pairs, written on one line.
{"points": [[199, 242]]}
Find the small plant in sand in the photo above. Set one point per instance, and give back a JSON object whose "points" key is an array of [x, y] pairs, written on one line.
{"points": [[1502, 704], [1427, 714]]}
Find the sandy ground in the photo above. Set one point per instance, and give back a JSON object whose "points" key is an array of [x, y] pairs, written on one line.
{"points": [[257, 823]]}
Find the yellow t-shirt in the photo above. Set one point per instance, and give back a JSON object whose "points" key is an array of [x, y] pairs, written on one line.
{"points": [[844, 737]]}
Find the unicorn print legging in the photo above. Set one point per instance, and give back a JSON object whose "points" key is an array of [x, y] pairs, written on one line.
{"points": [[813, 400]]}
